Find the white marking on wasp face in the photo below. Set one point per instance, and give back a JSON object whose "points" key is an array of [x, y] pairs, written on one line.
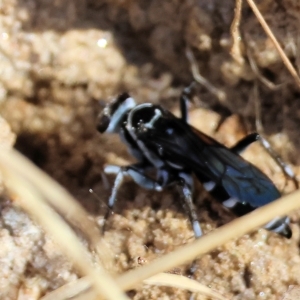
{"points": [[154, 119], [156, 162], [117, 116]]}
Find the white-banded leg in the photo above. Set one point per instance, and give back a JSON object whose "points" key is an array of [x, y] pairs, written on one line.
{"points": [[186, 185], [136, 172], [280, 226], [253, 137], [286, 169]]}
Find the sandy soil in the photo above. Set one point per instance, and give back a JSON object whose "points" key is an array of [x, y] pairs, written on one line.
{"points": [[60, 59]]}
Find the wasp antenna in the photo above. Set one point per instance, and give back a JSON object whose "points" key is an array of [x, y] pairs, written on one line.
{"points": [[91, 191]]}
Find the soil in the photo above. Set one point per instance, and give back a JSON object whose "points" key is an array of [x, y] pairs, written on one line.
{"points": [[61, 61]]}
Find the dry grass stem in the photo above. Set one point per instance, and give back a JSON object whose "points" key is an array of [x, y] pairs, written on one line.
{"points": [[61, 232], [210, 241], [270, 34], [73, 248], [182, 282], [54, 193], [82, 287], [235, 51], [72, 290], [200, 79], [269, 84]]}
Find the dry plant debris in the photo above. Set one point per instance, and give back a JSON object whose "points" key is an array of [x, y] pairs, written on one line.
{"points": [[57, 59]]}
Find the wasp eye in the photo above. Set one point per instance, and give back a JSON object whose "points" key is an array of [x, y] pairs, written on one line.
{"points": [[103, 123]]}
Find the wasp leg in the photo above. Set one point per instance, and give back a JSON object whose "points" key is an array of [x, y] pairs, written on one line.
{"points": [[185, 184], [286, 169], [136, 172], [253, 137], [280, 226], [185, 98], [242, 144]]}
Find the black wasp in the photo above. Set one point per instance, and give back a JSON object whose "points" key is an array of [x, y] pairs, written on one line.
{"points": [[174, 151]]}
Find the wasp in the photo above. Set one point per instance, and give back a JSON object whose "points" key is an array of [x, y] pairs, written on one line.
{"points": [[176, 152]]}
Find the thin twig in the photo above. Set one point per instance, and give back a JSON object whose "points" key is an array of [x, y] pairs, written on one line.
{"points": [[212, 240], [182, 282], [200, 79], [53, 224], [69, 207], [82, 287], [235, 51], [270, 34], [269, 84]]}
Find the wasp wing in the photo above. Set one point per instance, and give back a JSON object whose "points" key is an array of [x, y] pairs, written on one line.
{"points": [[241, 179], [179, 144]]}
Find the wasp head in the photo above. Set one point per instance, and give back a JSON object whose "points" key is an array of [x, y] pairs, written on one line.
{"points": [[112, 116]]}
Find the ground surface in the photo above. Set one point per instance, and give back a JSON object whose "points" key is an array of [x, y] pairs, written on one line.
{"points": [[59, 58]]}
